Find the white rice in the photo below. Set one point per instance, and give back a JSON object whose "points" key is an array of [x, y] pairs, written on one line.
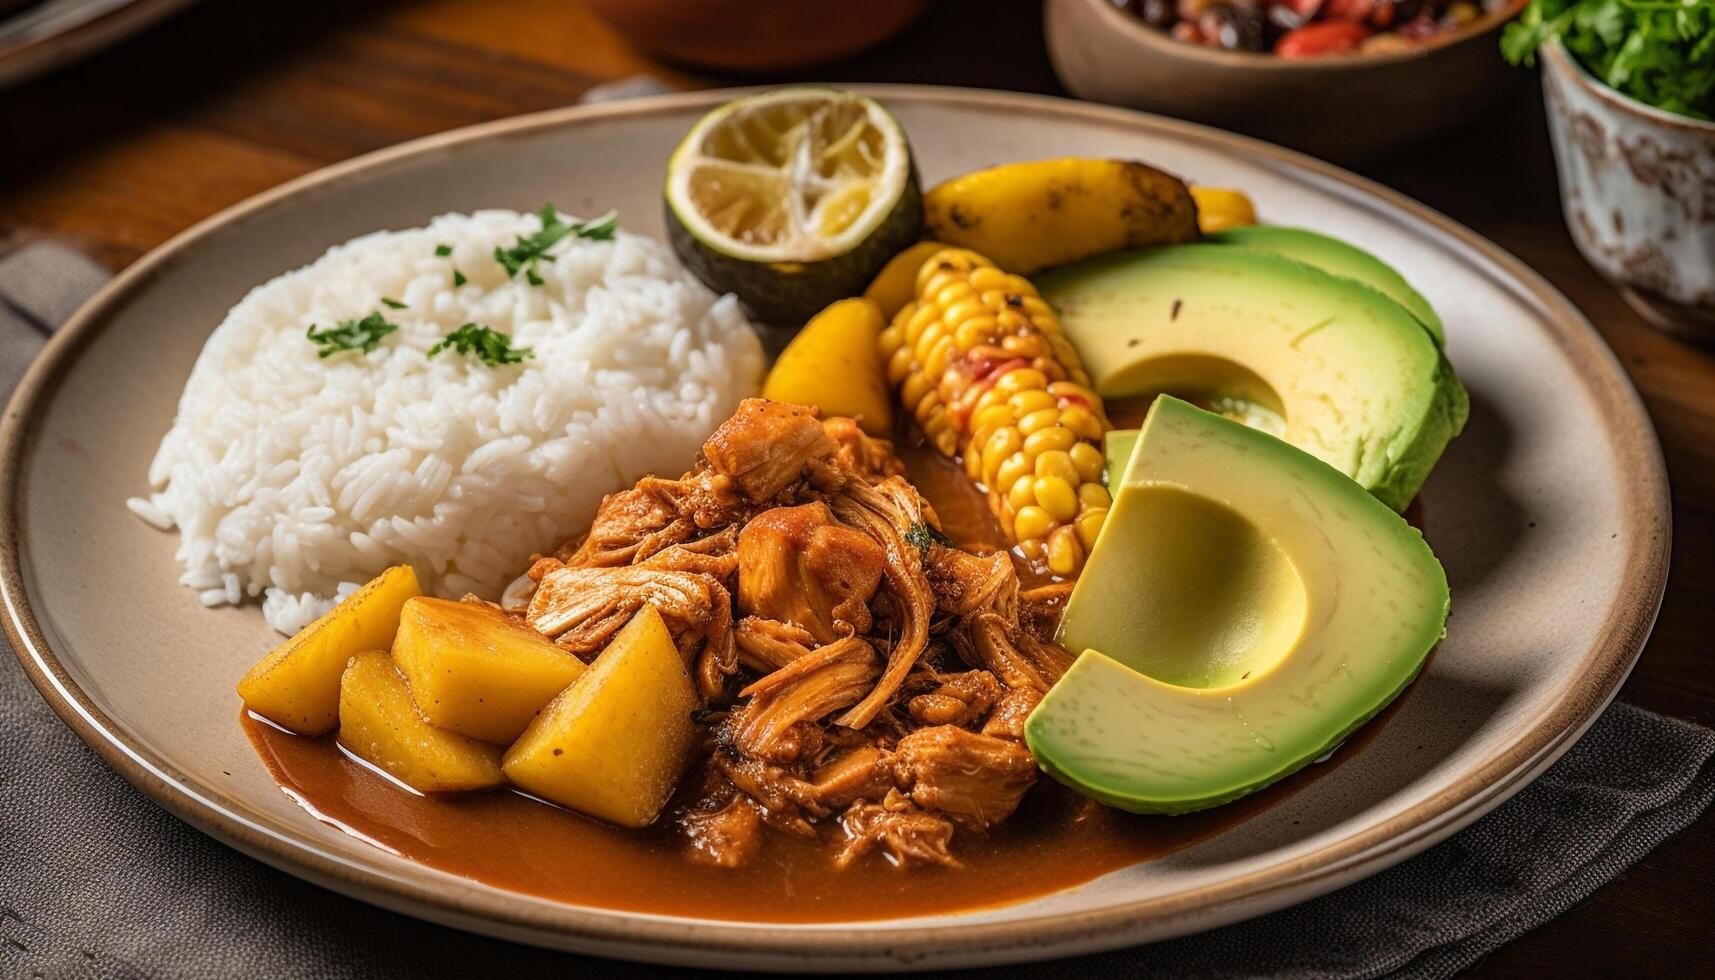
{"points": [[295, 477]]}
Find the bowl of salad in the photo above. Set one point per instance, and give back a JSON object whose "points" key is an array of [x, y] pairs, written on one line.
{"points": [[1348, 80], [1630, 93]]}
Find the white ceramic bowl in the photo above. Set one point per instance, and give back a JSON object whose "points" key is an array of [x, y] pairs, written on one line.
{"points": [[1638, 188]]}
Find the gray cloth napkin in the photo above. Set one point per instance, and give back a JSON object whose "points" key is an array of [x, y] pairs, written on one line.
{"points": [[97, 881]]}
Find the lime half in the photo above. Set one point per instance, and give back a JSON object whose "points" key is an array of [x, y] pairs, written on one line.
{"points": [[792, 199]]}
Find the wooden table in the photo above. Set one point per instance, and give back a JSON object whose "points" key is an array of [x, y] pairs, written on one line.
{"points": [[231, 98]]}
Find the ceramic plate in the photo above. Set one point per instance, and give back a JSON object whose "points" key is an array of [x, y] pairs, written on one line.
{"points": [[1550, 513]]}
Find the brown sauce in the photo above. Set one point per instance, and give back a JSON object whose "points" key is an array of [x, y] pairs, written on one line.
{"points": [[1056, 839]]}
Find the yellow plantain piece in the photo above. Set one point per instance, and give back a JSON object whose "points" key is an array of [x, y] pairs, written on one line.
{"points": [[832, 364], [1043, 213]]}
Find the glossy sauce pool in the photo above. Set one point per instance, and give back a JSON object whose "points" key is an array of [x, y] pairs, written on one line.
{"points": [[1056, 840]]}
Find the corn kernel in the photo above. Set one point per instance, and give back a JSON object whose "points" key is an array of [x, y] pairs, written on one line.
{"points": [[1089, 462], [1055, 496], [989, 398], [1075, 391], [1064, 552], [1057, 463], [891, 338], [975, 331], [1094, 496], [1025, 345], [899, 365], [1007, 471], [1031, 522], [940, 357], [1020, 495], [926, 406], [1089, 527], [930, 336], [1082, 421], [1005, 441], [985, 421], [1034, 400], [1030, 548], [965, 308], [988, 278], [1011, 320], [919, 320], [952, 294], [1020, 379], [911, 392], [1039, 420], [1053, 437]]}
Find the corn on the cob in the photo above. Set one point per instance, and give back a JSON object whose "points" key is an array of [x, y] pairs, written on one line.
{"points": [[981, 363]]}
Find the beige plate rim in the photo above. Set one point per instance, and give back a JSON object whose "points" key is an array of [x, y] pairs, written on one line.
{"points": [[884, 945]]}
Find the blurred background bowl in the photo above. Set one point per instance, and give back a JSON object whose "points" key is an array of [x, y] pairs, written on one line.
{"points": [[1345, 108], [757, 36], [1637, 185]]}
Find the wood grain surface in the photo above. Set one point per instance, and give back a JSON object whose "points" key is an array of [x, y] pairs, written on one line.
{"points": [[119, 153]]}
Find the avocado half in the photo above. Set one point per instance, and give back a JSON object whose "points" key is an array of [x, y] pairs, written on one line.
{"points": [[1324, 362], [1338, 258], [1245, 609]]}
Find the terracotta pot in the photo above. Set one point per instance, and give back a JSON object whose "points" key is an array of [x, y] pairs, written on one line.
{"points": [[1349, 108], [1637, 185], [756, 35]]}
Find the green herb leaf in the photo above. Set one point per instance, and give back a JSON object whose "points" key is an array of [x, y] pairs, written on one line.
{"points": [[393, 304], [532, 248], [925, 536], [443, 250], [458, 278], [364, 335], [492, 346], [1659, 52]]}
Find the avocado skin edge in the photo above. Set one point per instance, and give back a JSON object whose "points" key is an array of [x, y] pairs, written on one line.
{"points": [[1175, 808], [1412, 465]]}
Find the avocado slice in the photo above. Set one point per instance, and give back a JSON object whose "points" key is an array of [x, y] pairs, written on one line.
{"points": [[1324, 362], [1339, 258], [1245, 608]]}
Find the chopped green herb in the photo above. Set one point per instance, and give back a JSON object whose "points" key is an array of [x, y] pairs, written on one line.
{"points": [[1660, 52], [443, 250], [531, 249], [364, 335], [458, 278], [491, 345], [393, 304], [925, 536]]}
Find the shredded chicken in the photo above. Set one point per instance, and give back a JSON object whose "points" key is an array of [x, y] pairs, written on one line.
{"points": [[904, 833], [778, 723], [766, 446], [888, 511], [798, 565], [767, 644], [975, 780], [867, 682]]}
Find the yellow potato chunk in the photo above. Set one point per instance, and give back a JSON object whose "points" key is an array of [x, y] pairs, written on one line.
{"points": [[1220, 208], [380, 723], [896, 283], [1043, 213], [835, 364], [615, 743], [476, 672], [297, 685]]}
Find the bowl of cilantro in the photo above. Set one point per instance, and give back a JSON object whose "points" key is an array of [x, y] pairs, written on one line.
{"points": [[1630, 91]]}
